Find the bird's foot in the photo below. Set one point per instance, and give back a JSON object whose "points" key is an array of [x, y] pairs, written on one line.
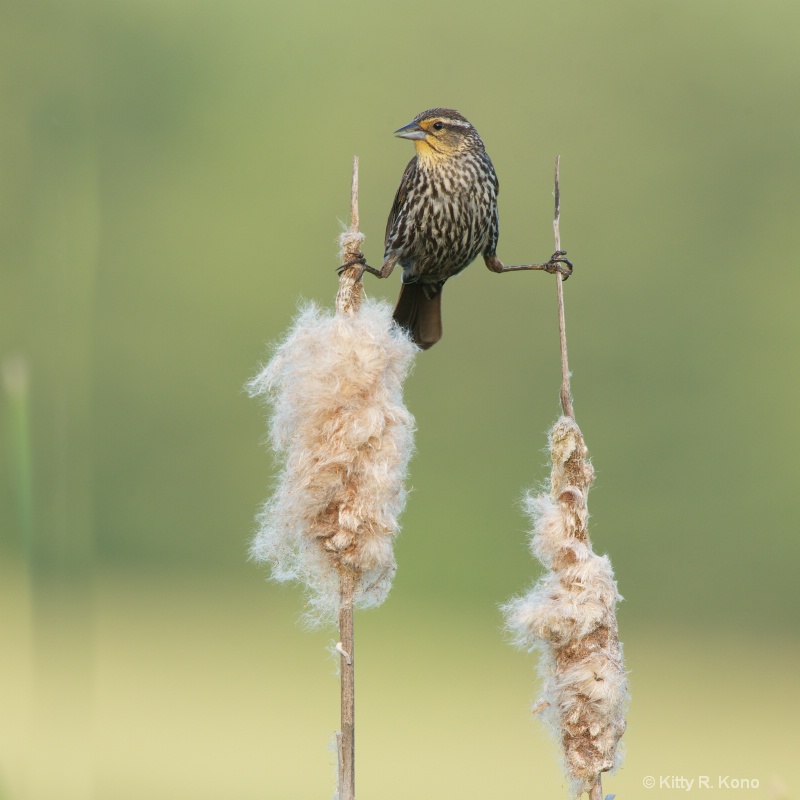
{"points": [[351, 263], [364, 266], [558, 263]]}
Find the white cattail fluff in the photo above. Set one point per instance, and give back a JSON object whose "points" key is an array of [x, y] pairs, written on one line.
{"points": [[569, 615], [343, 439]]}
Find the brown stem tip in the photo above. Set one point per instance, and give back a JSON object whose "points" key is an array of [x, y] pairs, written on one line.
{"points": [[351, 291]]}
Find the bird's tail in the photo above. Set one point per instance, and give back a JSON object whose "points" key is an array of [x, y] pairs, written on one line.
{"points": [[419, 310]]}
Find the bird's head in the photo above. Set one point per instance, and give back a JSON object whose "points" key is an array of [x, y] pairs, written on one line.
{"points": [[440, 133]]}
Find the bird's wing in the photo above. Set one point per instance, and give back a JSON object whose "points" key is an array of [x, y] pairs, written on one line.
{"points": [[494, 234], [494, 226], [400, 198]]}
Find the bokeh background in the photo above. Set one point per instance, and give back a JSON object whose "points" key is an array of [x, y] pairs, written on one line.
{"points": [[173, 177]]}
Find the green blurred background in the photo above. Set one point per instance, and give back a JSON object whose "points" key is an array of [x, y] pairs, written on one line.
{"points": [[173, 176]]}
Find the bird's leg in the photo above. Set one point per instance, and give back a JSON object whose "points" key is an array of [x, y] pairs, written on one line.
{"points": [[364, 266], [557, 263], [383, 272]]}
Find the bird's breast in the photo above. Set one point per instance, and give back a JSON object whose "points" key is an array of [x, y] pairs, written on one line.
{"points": [[445, 221]]}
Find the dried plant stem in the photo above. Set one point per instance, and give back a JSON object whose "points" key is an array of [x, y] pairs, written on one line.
{"points": [[348, 298], [343, 438], [346, 738], [570, 613], [596, 792], [566, 395], [348, 301]]}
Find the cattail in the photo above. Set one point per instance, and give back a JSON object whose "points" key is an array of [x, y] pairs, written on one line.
{"points": [[570, 616], [570, 613], [343, 438]]}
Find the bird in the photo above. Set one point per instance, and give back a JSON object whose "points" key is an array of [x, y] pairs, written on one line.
{"points": [[443, 217]]}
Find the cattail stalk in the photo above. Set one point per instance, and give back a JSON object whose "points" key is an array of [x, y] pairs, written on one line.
{"points": [[566, 394], [343, 438], [348, 302], [346, 737], [570, 614]]}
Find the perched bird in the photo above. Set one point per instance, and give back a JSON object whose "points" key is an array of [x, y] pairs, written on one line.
{"points": [[444, 215]]}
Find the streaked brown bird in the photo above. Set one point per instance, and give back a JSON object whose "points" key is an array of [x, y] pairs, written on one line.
{"points": [[444, 215]]}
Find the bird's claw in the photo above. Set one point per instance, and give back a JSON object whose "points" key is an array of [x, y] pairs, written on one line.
{"points": [[558, 263], [364, 266], [352, 262]]}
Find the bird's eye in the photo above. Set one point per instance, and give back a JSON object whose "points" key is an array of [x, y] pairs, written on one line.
{"points": [[437, 126]]}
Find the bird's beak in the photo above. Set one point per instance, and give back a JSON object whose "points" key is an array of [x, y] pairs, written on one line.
{"points": [[410, 131]]}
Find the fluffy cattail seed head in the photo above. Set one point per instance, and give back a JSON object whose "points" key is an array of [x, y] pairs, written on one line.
{"points": [[570, 616], [343, 439]]}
